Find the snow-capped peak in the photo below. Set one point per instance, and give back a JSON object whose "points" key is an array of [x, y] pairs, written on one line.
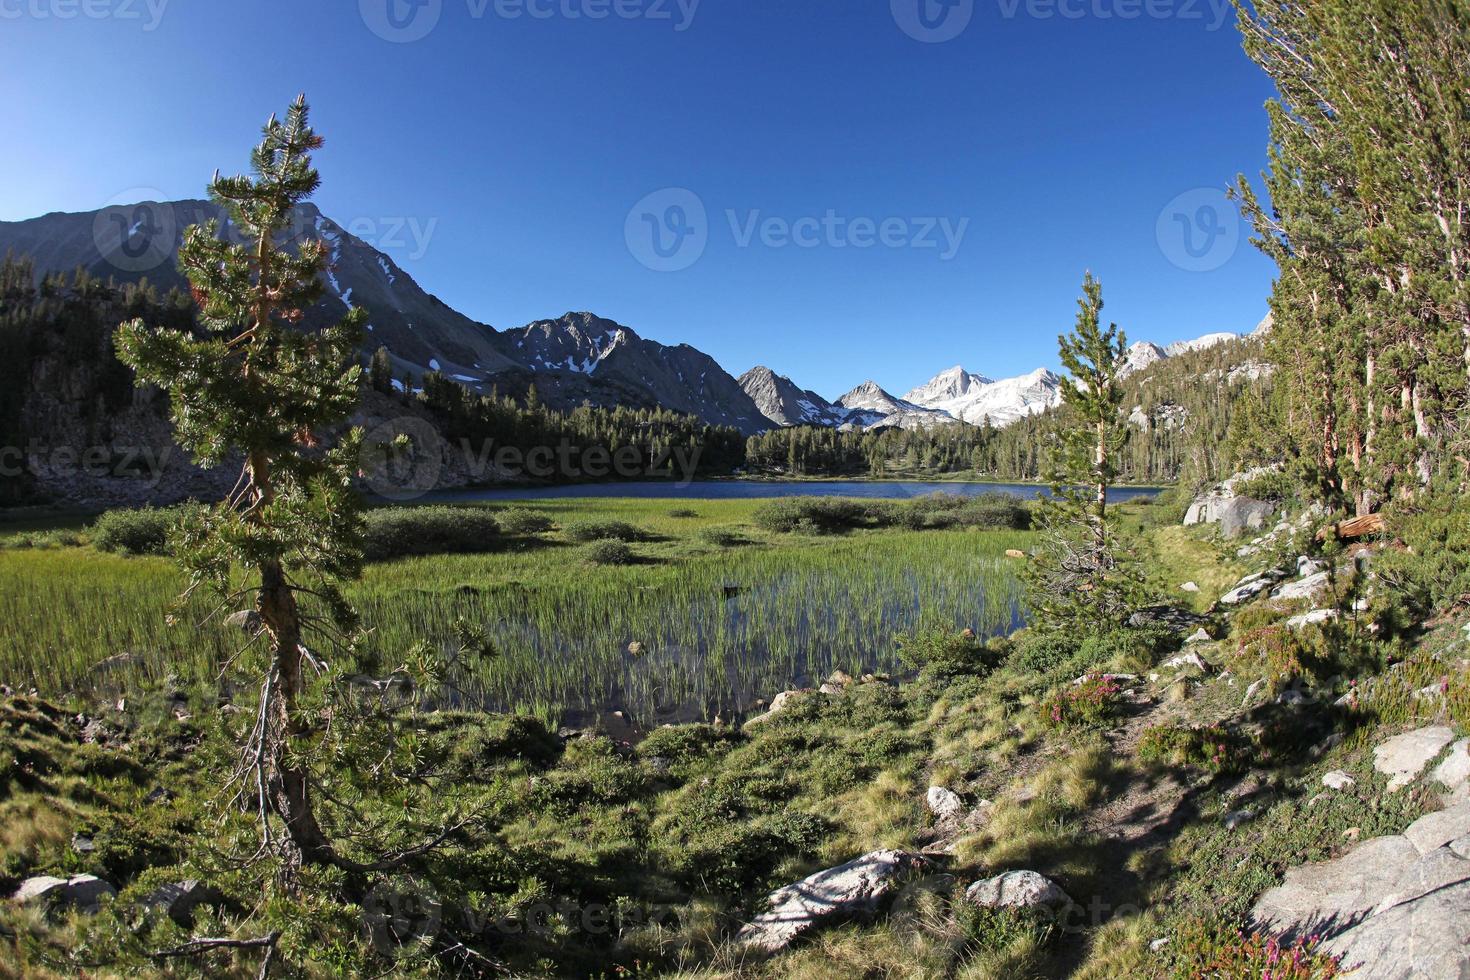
{"points": [[975, 399], [947, 385]]}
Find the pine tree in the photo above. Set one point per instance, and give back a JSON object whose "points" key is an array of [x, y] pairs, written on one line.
{"points": [[1081, 575], [380, 371], [257, 386]]}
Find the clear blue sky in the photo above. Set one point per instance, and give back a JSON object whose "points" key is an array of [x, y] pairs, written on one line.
{"points": [[511, 149]]}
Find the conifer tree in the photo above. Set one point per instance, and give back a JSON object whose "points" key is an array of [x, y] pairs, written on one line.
{"points": [[257, 386], [1081, 574]]}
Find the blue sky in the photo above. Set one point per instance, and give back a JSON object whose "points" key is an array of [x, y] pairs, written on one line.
{"points": [[879, 199]]}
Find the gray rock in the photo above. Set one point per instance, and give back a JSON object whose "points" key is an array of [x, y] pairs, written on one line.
{"points": [[856, 887], [1393, 907], [1403, 757], [1238, 818], [1017, 890], [840, 681], [1307, 567], [1250, 587], [84, 892], [944, 803], [1314, 618], [1305, 588], [1235, 514], [1454, 772], [778, 704], [180, 899], [1250, 692], [1338, 780], [1189, 587], [1186, 660]]}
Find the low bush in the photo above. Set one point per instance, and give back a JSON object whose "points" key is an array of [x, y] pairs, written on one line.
{"points": [[586, 531], [1042, 652], [608, 551], [721, 537], [398, 532], [1213, 949], [522, 522], [1092, 702], [687, 743], [683, 512], [1272, 485], [1212, 747], [820, 515], [943, 650], [143, 531]]}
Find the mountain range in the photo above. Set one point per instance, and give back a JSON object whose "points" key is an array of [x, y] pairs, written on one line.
{"points": [[578, 358]]}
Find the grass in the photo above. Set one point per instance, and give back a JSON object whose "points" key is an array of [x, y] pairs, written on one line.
{"points": [[720, 626]]}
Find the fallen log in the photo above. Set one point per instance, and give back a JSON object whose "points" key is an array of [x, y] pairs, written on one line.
{"points": [[1354, 528]]}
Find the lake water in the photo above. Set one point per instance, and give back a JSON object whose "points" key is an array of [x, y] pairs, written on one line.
{"points": [[761, 489]]}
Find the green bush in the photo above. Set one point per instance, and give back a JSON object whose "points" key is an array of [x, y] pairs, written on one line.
{"points": [[1220, 949], [687, 743], [990, 511], [1211, 747], [821, 515], [1433, 574], [143, 531], [609, 551], [1043, 653], [721, 537], [397, 532], [522, 522], [1274, 486], [942, 650], [591, 530], [1084, 705]]}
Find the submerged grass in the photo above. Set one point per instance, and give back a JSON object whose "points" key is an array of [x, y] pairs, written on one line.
{"points": [[713, 627]]}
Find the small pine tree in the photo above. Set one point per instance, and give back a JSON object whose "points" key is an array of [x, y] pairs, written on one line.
{"points": [[258, 386], [380, 371], [1082, 576]]}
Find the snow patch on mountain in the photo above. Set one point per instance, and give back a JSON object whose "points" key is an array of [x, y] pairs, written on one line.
{"points": [[976, 399]]}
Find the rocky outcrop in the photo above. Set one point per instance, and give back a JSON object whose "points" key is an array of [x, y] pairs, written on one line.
{"points": [[1393, 907], [1403, 757], [944, 803], [1234, 513], [855, 888]]}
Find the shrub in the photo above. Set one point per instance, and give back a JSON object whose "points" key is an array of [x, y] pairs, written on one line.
{"points": [[721, 537], [990, 511], [591, 530], [1216, 950], [821, 515], [522, 522], [1273, 485], [397, 532], [1089, 703], [1212, 747], [1433, 573], [608, 551], [942, 650], [687, 743], [143, 531], [1043, 652], [683, 512], [474, 751]]}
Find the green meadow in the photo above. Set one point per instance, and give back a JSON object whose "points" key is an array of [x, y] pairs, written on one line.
{"points": [[711, 612]]}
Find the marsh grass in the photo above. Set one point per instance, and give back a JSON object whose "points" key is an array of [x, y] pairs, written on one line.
{"points": [[720, 628]]}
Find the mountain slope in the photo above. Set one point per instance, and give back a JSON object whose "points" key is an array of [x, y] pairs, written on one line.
{"points": [[779, 399], [975, 399], [577, 358]]}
